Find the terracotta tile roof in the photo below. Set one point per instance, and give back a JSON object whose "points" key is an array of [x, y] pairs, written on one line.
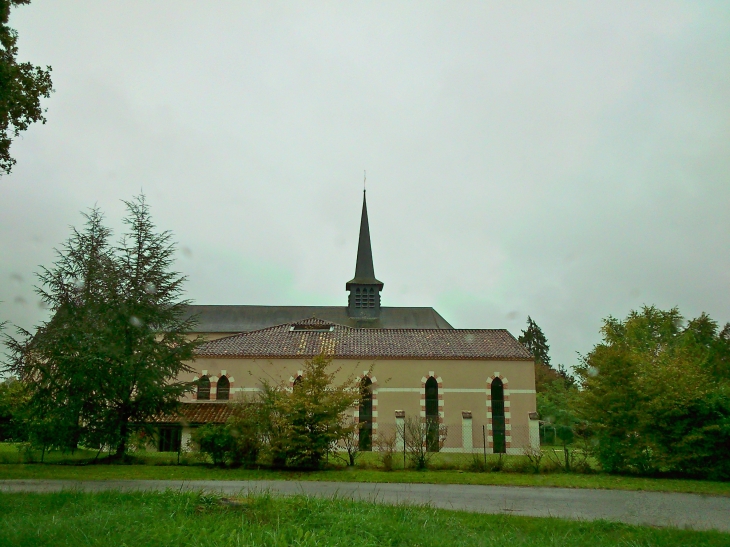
{"points": [[197, 413], [311, 337]]}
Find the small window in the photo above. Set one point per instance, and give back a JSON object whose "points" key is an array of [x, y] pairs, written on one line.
{"points": [[204, 389], [297, 381], [223, 391]]}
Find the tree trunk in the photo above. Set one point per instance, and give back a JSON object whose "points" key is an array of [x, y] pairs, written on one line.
{"points": [[123, 432]]}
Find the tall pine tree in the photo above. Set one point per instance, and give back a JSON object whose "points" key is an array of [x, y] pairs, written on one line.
{"points": [[108, 358], [535, 341]]}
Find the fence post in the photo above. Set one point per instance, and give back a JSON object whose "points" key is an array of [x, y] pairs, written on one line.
{"points": [[484, 442]]}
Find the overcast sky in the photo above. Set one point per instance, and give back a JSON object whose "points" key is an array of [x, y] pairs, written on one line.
{"points": [[563, 160]]}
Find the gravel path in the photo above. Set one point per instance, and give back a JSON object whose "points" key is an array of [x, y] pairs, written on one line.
{"points": [[693, 511]]}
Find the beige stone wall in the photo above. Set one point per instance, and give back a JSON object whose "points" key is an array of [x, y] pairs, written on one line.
{"points": [[398, 385]]}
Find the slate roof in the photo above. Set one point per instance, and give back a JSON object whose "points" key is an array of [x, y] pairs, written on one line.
{"points": [[310, 337], [197, 413], [235, 319]]}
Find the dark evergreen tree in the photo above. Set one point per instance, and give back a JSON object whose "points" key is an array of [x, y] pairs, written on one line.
{"points": [[59, 363], [21, 87], [109, 357], [534, 340]]}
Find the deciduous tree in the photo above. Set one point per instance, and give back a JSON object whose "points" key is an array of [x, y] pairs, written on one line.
{"points": [[21, 87], [656, 394]]}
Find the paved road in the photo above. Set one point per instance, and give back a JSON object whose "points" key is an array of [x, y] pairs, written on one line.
{"points": [[648, 508]]}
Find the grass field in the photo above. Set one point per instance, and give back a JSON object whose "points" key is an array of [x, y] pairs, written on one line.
{"points": [[162, 519], [163, 466]]}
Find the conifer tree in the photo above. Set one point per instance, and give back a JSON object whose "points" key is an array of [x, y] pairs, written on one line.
{"points": [[109, 356], [534, 340]]}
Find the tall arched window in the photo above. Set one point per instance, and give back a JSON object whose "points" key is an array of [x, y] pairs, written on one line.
{"points": [[366, 414], [358, 302], [297, 381], [204, 389], [223, 391], [498, 429], [432, 415]]}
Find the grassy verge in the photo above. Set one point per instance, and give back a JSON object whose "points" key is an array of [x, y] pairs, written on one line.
{"points": [[201, 472], [163, 466], [161, 519]]}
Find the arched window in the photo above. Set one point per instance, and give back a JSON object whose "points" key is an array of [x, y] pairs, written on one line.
{"points": [[357, 298], [498, 429], [371, 298], [204, 389], [366, 414], [297, 381], [223, 391], [432, 415]]}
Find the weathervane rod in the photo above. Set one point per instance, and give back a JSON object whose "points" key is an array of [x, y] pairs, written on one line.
{"points": [[364, 179]]}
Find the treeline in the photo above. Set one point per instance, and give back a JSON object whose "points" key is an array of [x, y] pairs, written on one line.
{"points": [[652, 397]]}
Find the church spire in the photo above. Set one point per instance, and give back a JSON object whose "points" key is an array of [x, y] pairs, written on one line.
{"points": [[364, 288]]}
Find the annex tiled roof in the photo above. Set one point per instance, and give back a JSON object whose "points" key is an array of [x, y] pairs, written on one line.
{"points": [[311, 337], [197, 413]]}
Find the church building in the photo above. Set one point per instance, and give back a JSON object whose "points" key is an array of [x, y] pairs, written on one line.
{"points": [[410, 361]]}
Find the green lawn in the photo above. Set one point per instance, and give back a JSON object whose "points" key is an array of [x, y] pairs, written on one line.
{"points": [[162, 466], [174, 519]]}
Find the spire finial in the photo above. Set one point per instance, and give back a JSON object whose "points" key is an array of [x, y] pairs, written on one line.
{"points": [[364, 180]]}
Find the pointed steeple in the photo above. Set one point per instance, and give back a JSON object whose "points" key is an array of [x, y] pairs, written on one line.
{"points": [[364, 270], [364, 299]]}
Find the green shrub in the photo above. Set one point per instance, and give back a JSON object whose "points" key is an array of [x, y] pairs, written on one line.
{"points": [[214, 440]]}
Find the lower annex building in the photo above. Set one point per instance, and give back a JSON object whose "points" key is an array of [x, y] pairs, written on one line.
{"points": [[480, 383]]}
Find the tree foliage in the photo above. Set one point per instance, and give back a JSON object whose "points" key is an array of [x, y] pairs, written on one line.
{"points": [[21, 87], [12, 400], [536, 342], [305, 423], [109, 356], [656, 394]]}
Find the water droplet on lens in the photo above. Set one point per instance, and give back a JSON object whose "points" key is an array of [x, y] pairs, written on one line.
{"points": [[592, 371], [135, 321], [20, 300], [150, 288]]}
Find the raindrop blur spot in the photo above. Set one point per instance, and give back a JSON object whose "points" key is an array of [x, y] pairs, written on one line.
{"points": [[187, 252], [592, 371], [469, 338], [635, 293], [20, 301], [150, 288], [79, 284], [135, 321], [511, 316], [43, 305], [16, 277]]}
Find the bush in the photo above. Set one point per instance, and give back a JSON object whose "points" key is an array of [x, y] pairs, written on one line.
{"points": [[216, 441], [244, 428], [303, 424], [420, 437], [386, 450]]}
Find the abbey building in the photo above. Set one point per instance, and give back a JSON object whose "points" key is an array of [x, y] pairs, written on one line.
{"points": [[479, 383]]}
